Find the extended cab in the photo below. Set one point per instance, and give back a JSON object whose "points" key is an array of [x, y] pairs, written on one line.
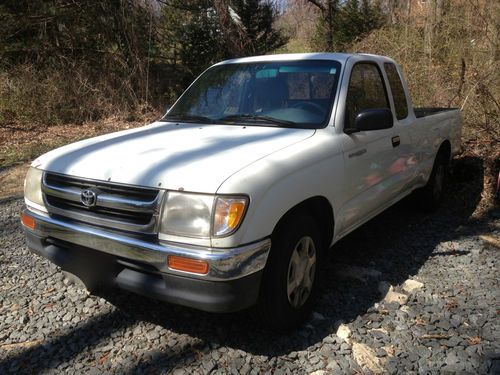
{"points": [[233, 197]]}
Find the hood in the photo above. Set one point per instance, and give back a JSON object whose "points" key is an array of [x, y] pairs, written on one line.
{"points": [[192, 157]]}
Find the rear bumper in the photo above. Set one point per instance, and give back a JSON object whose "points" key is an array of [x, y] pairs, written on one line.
{"points": [[100, 258]]}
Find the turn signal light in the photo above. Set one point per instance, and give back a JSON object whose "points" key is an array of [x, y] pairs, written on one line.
{"points": [[236, 211], [187, 264], [28, 221]]}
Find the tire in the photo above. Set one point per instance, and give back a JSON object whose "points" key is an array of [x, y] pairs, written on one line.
{"points": [[289, 282], [429, 197]]}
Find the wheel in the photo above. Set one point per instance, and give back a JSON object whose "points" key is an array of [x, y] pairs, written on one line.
{"points": [[430, 196], [290, 278]]}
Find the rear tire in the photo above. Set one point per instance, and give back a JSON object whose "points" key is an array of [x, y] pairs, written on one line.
{"points": [[289, 282], [429, 197]]}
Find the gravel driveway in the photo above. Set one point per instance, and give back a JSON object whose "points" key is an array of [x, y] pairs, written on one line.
{"points": [[370, 318]]}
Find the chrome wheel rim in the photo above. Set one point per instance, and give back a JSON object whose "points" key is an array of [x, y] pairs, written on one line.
{"points": [[301, 270]]}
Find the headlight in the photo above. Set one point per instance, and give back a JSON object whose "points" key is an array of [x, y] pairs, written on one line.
{"points": [[196, 215], [187, 215], [33, 189]]}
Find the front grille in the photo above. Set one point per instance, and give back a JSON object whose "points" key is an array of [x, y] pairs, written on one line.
{"points": [[118, 207]]}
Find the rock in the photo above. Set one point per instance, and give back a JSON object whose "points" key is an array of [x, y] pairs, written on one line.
{"points": [[344, 349], [317, 316], [423, 352], [355, 272], [384, 287], [451, 358], [495, 367], [409, 286], [329, 340], [443, 324], [405, 309], [327, 351], [366, 358], [394, 297], [333, 367], [152, 335], [471, 350], [343, 332]]}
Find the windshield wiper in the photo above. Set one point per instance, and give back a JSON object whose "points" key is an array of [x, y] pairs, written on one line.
{"points": [[266, 119], [188, 118]]}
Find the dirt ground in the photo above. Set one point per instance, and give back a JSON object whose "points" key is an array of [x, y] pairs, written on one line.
{"points": [[20, 144]]}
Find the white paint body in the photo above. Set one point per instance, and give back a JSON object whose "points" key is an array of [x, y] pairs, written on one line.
{"points": [[277, 168]]}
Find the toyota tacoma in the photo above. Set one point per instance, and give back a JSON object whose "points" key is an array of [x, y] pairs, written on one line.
{"points": [[233, 197]]}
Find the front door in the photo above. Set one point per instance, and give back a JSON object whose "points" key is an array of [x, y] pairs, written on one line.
{"points": [[370, 156]]}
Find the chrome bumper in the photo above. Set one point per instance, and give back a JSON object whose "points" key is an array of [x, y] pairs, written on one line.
{"points": [[224, 264]]}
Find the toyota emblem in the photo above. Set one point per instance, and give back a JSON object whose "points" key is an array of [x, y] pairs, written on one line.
{"points": [[88, 198]]}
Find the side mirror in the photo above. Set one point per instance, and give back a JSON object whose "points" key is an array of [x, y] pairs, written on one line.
{"points": [[372, 119]]}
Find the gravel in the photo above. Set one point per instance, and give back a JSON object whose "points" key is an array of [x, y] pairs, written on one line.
{"points": [[447, 324]]}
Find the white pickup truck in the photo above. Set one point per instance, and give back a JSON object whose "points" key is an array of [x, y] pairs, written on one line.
{"points": [[233, 197]]}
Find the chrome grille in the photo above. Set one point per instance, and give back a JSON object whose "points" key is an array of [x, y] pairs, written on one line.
{"points": [[117, 206]]}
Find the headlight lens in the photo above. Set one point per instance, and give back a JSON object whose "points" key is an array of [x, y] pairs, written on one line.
{"points": [[187, 215], [228, 215], [33, 189], [193, 215]]}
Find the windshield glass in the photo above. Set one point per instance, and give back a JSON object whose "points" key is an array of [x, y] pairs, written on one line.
{"points": [[294, 94]]}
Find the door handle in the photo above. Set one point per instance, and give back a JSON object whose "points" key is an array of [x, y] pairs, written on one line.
{"points": [[358, 153], [396, 141]]}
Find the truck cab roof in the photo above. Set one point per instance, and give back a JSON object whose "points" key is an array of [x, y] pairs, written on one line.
{"points": [[340, 57]]}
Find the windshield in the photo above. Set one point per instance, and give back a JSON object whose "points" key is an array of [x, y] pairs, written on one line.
{"points": [[294, 94]]}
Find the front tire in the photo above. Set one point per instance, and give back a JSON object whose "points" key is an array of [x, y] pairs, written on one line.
{"points": [[289, 282]]}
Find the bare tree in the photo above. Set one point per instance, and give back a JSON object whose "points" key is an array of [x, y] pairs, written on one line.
{"points": [[232, 29], [327, 8], [299, 21]]}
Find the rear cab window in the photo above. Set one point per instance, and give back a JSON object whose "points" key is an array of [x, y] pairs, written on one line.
{"points": [[398, 92]]}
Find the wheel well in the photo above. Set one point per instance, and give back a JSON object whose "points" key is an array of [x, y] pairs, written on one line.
{"points": [[320, 209], [445, 150]]}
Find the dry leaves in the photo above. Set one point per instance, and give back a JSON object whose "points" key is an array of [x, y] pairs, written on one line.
{"points": [[474, 340], [419, 321], [104, 358], [490, 240], [451, 304]]}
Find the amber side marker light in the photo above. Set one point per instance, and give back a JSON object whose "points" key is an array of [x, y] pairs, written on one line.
{"points": [[187, 264], [28, 221]]}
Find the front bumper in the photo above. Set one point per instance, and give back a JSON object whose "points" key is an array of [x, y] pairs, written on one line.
{"points": [[99, 257]]}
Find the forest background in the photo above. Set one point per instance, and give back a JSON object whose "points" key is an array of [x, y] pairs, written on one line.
{"points": [[71, 69]]}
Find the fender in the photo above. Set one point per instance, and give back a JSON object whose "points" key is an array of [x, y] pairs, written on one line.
{"points": [[283, 180]]}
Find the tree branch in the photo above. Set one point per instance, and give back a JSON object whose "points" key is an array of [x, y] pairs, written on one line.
{"points": [[318, 4]]}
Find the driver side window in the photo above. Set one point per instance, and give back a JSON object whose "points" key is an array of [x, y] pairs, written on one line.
{"points": [[366, 91]]}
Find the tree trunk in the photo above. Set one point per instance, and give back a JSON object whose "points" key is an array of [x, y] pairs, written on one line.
{"points": [[329, 37], [429, 27], [233, 33]]}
